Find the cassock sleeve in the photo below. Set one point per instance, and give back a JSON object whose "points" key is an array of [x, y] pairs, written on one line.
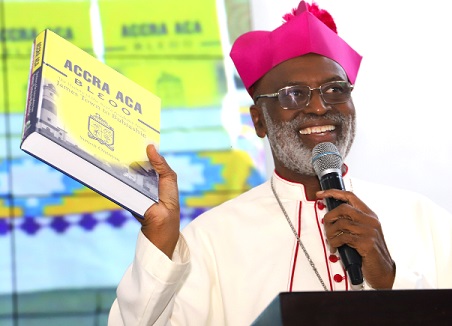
{"points": [[145, 295]]}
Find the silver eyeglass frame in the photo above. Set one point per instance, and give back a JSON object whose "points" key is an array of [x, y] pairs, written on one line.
{"points": [[276, 95]]}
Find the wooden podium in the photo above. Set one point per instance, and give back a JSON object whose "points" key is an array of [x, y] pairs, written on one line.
{"points": [[391, 307]]}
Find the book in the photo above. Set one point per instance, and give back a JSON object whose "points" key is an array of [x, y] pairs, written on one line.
{"points": [[92, 123]]}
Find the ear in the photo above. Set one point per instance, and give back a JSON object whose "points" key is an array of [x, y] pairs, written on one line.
{"points": [[258, 120]]}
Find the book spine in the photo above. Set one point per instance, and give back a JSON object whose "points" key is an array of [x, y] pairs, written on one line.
{"points": [[34, 85]]}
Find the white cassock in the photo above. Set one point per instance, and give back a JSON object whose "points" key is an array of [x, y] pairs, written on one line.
{"points": [[243, 253]]}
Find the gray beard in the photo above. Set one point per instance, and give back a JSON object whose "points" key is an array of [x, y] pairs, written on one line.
{"points": [[292, 153]]}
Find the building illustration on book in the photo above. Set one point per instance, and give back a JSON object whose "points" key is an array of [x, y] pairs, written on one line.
{"points": [[138, 174], [48, 119]]}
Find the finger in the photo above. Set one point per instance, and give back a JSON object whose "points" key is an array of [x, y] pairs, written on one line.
{"points": [[158, 161], [341, 195], [168, 191], [348, 218], [338, 218], [337, 233], [344, 196], [333, 228], [343, 238], [334, 240]]}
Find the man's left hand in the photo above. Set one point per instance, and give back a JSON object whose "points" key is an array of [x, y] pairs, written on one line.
{"points": [[356, 225]]}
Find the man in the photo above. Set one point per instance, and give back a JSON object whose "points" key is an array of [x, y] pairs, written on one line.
{"points": [[232, 261]]}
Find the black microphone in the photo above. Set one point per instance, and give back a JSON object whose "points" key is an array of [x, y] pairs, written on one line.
{"points": [[327, 163]]}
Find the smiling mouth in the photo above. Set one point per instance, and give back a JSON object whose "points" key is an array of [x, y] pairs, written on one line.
{"points": [[316, 129]]}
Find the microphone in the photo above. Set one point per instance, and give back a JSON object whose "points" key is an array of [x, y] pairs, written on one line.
{"points": [[327, 163]]}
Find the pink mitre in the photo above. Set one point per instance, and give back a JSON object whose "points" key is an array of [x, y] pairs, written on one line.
{"points": [[257, 52]]}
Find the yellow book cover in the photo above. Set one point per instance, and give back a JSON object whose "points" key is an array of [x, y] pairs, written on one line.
{"points": [[91, 123]]}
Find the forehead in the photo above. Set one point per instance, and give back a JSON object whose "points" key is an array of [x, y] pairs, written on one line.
{"points": [[311, 69]]}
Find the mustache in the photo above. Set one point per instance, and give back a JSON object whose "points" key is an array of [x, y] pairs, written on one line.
{"points": [[333, 116]]}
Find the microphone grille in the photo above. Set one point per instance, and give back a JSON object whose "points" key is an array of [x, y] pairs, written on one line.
{"points": [[325, 156]]}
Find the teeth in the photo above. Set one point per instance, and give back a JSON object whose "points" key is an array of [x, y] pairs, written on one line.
{"points": [[317, 130]]}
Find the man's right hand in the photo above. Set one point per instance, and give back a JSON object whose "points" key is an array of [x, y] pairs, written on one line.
{"points": [[161, 222]]}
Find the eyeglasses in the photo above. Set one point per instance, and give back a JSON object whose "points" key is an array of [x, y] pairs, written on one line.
{"points": [[298, 96]]}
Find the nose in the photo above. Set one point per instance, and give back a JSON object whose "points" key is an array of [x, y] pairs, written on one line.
{"points": [[316, 104]]}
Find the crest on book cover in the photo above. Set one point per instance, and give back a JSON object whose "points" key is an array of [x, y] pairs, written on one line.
{"points": [[99, 129]]}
